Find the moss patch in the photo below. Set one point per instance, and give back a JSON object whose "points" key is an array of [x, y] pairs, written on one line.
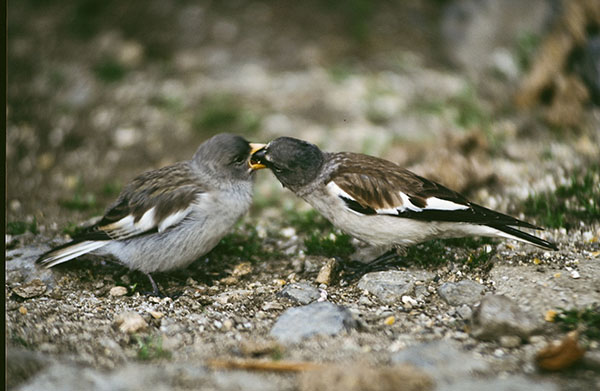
{"points": [[339, 245], [150, 348], [471, 252], [586, 321], [320, 236], [20, 227], [577, 201], [109, 70]]}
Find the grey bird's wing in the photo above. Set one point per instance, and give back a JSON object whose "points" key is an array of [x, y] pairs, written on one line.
{"points": [[152, 202]]}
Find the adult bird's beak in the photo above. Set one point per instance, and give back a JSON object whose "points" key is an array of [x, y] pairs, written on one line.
{"points": [[257, 154]]}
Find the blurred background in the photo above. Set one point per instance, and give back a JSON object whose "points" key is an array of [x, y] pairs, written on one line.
{"points": [[495, 98]]}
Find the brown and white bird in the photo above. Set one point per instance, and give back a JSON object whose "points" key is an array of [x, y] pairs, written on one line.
{"points": [[167, 218], [379, 202]]}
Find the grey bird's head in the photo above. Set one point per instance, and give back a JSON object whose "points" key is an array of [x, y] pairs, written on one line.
{"points": [[295, 163], [225, 155]]}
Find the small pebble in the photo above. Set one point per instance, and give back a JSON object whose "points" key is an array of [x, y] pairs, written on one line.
{"points": [[364, 300], [575, 274], [31, 289], [550, 315], [22, 310], [242, 269], [325, 275], [228, 324], [118, 291], [409, 301], [270, 305], [510, 341], [390, 320], [322, 295], [156, 314], [288, 232], [464, 311], [130, 322], [537, 339], [279, 282]]}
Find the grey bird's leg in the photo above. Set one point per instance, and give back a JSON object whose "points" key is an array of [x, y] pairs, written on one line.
{"points": [[155, 291]]}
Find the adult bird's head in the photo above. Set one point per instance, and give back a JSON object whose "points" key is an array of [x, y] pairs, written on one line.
{"points": [[294, 162]]}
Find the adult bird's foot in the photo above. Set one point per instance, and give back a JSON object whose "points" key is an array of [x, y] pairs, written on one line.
{"points": [[353, 270]]}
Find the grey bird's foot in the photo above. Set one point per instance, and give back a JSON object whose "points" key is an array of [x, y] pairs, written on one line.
{"points": [[155, 291]]}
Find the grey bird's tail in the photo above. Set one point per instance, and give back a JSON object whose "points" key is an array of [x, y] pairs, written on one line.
{"points": [[68, 251]]}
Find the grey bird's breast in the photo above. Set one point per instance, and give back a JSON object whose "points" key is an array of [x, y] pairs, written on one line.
{"points": [[211, 217]]}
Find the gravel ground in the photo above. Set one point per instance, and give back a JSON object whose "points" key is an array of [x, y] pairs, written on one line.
{"points": [[90, 105]]}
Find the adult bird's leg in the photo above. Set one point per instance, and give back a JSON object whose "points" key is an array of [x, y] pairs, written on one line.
{"points": [[356, 269]]}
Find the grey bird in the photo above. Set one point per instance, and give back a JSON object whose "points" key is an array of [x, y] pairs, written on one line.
{"points": [[167, 218], [379, 202]]}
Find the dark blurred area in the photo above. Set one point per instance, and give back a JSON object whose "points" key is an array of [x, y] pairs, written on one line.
{"points": [[99, 91]]}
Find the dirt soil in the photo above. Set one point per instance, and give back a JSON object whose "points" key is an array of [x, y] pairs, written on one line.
{"points": [[99, 92]]}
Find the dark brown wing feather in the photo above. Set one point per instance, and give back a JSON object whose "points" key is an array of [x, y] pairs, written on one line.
{"points": [[376, 184]]}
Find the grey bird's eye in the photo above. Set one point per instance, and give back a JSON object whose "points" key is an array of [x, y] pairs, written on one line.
{"points": [[239, 159]]}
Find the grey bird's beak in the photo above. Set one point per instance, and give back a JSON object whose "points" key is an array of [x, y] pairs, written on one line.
{"points": [[257, 155]]}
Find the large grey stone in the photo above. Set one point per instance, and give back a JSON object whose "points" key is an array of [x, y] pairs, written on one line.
{"points": [[20, 266], [322, 318], [539, 288], [248, 381], [301, 292], [390, 286], [453, 369], [497, 315], [511, 383], [64, 377], [462, 292], [445, 361]]}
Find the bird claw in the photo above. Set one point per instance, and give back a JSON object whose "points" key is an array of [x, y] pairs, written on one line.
{"points": [[355, 269]]}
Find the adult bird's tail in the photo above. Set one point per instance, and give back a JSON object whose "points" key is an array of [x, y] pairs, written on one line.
{"points": [[513, 233]]}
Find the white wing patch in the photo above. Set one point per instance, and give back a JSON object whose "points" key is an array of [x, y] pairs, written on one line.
{"points": [[433, 203], [388, 211], [440, 204], [127, 226], [406, 204], [147, 221], [173, 219], [337, 191]]}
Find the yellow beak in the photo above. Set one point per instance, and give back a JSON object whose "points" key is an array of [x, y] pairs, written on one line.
{"points": [[254, 147]]}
